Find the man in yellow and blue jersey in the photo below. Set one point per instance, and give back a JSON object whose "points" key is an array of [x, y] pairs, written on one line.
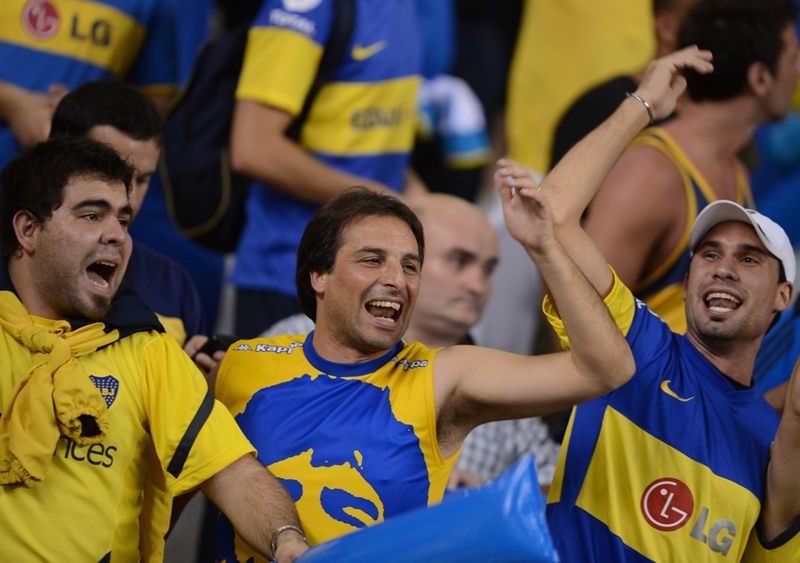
{"points": [[670, 466], [361, 426], [359, 131], [95, 397]]}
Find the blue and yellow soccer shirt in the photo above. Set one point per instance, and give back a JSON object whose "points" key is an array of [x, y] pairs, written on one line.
{"points": [[352, 443], [670, 466], [362, 120], [662, 289], [69, 42], [91, 500]]}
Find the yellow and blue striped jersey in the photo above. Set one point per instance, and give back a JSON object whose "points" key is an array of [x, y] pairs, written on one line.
{"points": [[352, 443], [662, 289], [670, 466], [69, 42], [361, 122]]}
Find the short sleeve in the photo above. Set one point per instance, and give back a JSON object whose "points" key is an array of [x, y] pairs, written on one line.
{"points": [[194, 436], [620, 302], [155, 69], [284, 49]]}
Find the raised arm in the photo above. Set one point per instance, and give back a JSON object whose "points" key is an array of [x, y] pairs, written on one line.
{"points": [[574, 181], [782, 505], [473, 385]]}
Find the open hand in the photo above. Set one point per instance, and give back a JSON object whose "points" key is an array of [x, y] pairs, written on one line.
{"points": [[525, 208], [663, 82]]}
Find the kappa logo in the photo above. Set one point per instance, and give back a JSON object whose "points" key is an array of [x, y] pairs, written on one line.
{"points": [[410, 365], [667, 504], [362, 53], [666, 389], [108, 386], [41, 19]]}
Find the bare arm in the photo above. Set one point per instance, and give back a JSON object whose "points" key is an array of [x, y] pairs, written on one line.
{"points": [[475, 384], [636, 218], [782, 505], [574, 181], [261, 150], [27, 113], [257, 505]]}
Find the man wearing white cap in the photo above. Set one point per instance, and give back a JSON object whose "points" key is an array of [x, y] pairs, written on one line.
{"points": [[670, 466]]}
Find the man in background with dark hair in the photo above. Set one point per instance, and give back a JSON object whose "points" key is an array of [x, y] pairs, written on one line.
{"points": [[641, 216], [116, 114]]}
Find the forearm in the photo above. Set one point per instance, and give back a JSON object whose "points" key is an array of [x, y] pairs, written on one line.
{"points": [[599, 351], [255, 502], [260, 149], [10, 96], [572, 184], [782, 504]]}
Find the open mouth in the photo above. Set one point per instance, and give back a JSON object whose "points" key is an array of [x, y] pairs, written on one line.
{"points": [[101, 273], [721, 302], [382, 309]]}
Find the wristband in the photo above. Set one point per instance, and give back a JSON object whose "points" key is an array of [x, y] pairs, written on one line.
{"points": [[650, 111], [274, 542]]}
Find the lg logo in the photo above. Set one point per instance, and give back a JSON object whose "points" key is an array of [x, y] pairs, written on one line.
{"points": [[667, 504], [40, 19]]}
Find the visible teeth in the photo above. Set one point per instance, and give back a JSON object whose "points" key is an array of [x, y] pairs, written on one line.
{"points": [[390, 304], [104, 263], [720, 295]]}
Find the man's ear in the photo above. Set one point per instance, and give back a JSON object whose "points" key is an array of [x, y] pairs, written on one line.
{"points": [[759, 79], [26, 229], [784, 296], [318, 281]]}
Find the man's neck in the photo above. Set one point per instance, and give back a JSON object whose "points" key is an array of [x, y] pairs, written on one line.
{"points": [[715, 131], [22, 281], [734, 359], [333, 349]]}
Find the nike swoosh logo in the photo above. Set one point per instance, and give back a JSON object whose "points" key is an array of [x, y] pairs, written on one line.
{"points": [[362, 53], [665, 388]]}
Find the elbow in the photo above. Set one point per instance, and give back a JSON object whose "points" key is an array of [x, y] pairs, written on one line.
{"points": [[619, 371]]}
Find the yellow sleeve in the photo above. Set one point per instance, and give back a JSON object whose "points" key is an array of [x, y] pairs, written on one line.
{"points": [[194, 435], [620, 303], [279, 67]]}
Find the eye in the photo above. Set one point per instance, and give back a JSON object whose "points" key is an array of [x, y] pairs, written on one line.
{"points": [[125, 222], [371, 261], [710, 255], [750, 260], [91, 216], [411, 267]]}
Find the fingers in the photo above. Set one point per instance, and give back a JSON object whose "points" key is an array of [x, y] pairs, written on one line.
{"points": [[194, 344], [692, 57]]}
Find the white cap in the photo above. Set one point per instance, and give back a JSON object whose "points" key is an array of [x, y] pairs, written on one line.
{"points": [[771, 234]]}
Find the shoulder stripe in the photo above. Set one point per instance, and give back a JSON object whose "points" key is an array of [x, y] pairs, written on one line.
{"points": [[185, 446]]}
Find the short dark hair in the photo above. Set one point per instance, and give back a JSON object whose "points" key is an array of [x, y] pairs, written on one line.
{"points": [[322, 237], [34, 181], [106, 102], [738, 33]]}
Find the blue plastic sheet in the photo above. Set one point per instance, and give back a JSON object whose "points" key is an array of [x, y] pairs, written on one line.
{"points": [[501, 521]]}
